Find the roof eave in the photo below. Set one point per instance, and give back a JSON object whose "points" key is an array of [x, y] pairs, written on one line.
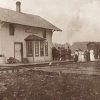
{"points": [[56, 29]]}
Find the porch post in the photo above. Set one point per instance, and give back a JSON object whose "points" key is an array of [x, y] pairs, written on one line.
{"points": [[33, 49]]}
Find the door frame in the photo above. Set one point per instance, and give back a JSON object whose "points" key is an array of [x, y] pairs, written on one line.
{"points": [[21, 49]]}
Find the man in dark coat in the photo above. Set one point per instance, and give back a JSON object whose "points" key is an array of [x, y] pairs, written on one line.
{"points": [[54, 53], [76, 55], [69, 53], [87, 55]]}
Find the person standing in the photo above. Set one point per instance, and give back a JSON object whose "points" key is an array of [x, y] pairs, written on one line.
{"points": [[82, 56], [85, 55], [54, 53], [88, 55], [76, 56], [92, 58], [69, 53]]}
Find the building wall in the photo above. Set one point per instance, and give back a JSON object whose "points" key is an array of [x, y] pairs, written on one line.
{"points": [[7, 41]]}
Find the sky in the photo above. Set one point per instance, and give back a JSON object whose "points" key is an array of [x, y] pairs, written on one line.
{"points": [[79, 20]]}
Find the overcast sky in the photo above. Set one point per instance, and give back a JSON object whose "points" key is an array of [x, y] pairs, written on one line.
{"points": [[79, 19]]}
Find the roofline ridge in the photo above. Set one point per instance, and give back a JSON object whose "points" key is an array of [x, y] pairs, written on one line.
{"points": [[9, 13]]}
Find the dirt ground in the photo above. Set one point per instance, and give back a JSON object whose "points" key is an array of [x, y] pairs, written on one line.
{"points": [[52, 83]]}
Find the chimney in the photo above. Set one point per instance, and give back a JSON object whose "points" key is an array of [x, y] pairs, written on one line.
{"points": [[18, 6]]}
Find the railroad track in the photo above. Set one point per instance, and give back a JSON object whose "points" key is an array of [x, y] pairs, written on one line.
{"points": [[66, 67]]}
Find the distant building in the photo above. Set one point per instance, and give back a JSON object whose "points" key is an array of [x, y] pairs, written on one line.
{"points": [[79, 45], [94, 46], [87, 46], [25, 35]]}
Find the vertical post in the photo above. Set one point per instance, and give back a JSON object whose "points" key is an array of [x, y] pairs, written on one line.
{"points": [[33, 42]]}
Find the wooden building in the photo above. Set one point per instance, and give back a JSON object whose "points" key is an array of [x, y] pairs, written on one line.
{"points": [[25, 36]]}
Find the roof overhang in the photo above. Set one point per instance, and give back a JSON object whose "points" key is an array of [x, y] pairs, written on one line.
{"points": [[11, 16]]}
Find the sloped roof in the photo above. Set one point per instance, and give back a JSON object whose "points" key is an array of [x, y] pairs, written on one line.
{"points": [[34, 38], [11, 16]]}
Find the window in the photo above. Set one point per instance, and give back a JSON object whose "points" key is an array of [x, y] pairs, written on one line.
{"points": [[29, 48], [41, 48], [46, 49], [11, 29], [36, 48], [44, 33]]}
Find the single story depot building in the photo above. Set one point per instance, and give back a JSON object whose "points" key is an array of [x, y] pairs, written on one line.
{"points": [[25, 36]]}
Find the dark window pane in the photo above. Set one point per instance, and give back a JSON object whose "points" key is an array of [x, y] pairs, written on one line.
{"points": [[29, 48], [36, 48], [41, 48], [11, 29], [46, 49]]}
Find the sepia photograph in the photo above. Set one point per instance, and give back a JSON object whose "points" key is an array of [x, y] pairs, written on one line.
{"points": [[49, 50]]}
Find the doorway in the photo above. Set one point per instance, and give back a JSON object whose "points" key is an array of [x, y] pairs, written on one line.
{"points": [[18, 51]]}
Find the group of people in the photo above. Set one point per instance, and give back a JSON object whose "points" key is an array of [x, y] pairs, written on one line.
{"points": [[82, 56], [61, 54]]}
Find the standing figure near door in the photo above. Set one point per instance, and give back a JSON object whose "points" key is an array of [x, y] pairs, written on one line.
{"points": [[92, 58]]}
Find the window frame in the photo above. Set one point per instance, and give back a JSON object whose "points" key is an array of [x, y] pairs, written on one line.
{"points": [[11, 29], [41, 48], [46, 48], [36, 48], [29, 48]]}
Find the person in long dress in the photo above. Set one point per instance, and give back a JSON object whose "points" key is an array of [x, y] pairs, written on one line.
{"points": [[87, 55], [92, 58], [76, 56], [80, 56]]}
